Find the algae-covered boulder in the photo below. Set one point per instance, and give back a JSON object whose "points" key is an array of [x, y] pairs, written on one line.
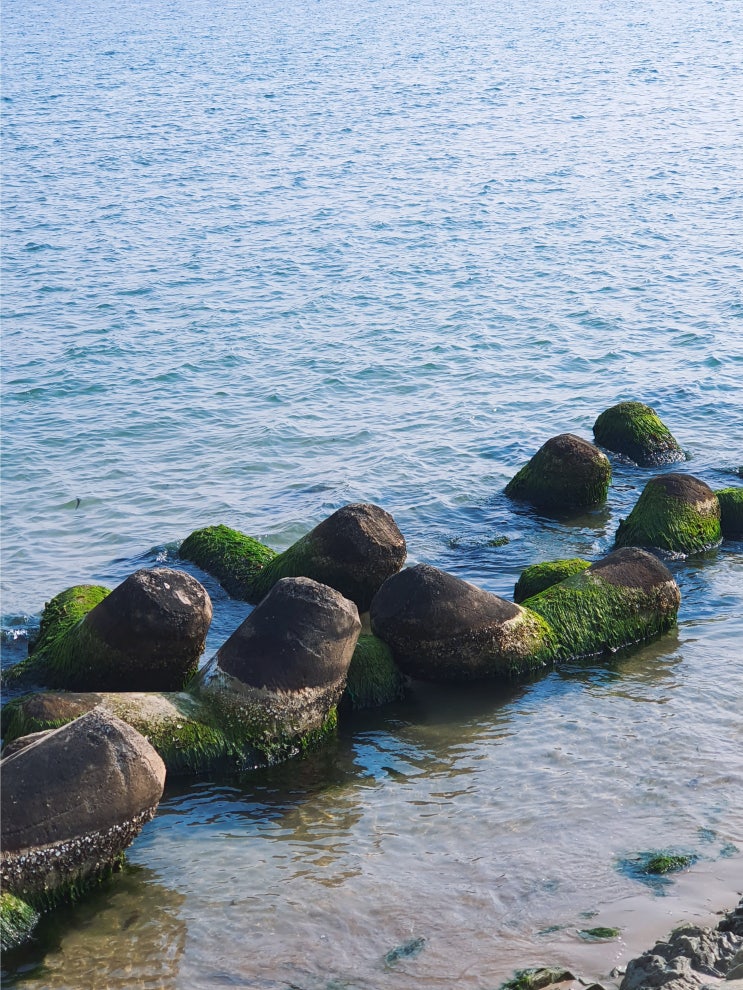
{"points": [[537, 577], [282, 672], [627, 597], [675, 512], [147, 634], [354, 551], [635, 430], [565, 473], [442, 628], [731, 512], [71, 803], [230, 556], [374, 678], [17, 921]]}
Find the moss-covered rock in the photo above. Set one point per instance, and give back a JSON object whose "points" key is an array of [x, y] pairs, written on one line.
{"points": [[537, 577], [442, 628], [731, 512], [17, 921], [627, 597], [675, 512], [635, 430], [565, 473], [230, 556], [354, 551], [147, 634], [374, 678]]}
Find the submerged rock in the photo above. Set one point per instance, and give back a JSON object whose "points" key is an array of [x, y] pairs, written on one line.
{"points": [[442, 628], [17, 921], [230, 556], [538, 577], [627, 597], [731, 512], [72, 801], [635, 430], [147, 634], [565, 473], [675, 512], [354, 551]]}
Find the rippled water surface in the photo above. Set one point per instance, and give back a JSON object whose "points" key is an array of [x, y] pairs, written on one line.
{"points": [[266, 259]]}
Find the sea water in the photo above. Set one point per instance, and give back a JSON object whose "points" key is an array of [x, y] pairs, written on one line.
{"points": [[262, 260]]}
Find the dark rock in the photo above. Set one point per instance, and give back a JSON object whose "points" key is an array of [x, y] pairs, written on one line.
{"points": [[565, 473], [147, 634], [71, 803], [442, 628], [354, 551]]}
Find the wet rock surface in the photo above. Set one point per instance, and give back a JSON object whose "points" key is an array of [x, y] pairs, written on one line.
{"points": [[566, 473]]}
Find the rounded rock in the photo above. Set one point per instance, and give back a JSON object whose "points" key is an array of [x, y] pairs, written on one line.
{"points": [[566, 472], [636, 430], [442, 628]]}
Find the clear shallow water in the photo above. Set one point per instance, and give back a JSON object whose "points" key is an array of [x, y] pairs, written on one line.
{"points": [[259, 263]]}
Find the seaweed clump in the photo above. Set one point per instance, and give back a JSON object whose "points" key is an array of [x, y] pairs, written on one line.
{"points": [[17, 921], [373, 678]]}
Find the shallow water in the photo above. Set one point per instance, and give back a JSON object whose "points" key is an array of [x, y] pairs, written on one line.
{"points": [[260, 263]]}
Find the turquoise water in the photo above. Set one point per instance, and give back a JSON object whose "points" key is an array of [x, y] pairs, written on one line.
{"points": [[261, 262]]}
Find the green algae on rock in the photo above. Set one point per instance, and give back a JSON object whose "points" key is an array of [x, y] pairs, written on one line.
{"points": [[565, 473], [17, 921], [537, 978], [675, 512], [635, 430], [442, 628], [627, 597], [538, 577], [147, 634], [373, 678], [230, 556], [731, 512], [354, 551]]}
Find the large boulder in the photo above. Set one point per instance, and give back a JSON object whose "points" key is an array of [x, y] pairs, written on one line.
{"points": [[731, 512], [675, 512], [280, 675], [354, 551], [635, 430], [442, 628], [72, 801], [627, 597], [566, 473], [147, 634]]}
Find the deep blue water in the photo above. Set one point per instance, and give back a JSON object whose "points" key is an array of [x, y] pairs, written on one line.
{"points": [[263, 260]]}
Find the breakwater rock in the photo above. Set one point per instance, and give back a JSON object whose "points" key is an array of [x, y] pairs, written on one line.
{"points": [[566, 473], [147, 635], [636, 430], [354, 551], [675, 512], [72, 800]]}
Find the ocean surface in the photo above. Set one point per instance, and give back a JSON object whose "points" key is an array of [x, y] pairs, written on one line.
{"points": [[261, 260]]}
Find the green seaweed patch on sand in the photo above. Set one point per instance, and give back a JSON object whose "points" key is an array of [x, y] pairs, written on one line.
{"points": [[230, 556], [675, 512], [538, 577], [636, 430], [17, 921], [408, 950], [653, 868], [373, 677], [599, 934], [731, 512]]}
